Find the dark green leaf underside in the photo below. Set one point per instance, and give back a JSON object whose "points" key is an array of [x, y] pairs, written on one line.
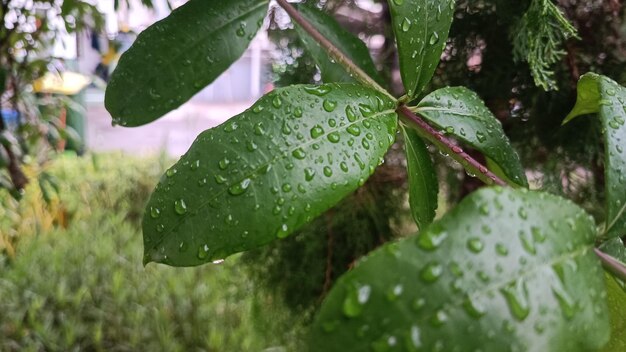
{"points": [[494, 274], [423, 185], [421, 28], [459, 112], [266, 172], [350, 45], [175, 58], [602, 95]]}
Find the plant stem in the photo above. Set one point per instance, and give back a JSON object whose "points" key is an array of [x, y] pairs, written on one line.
{"points": [[331, 49], [445, 144], [611, 264]]}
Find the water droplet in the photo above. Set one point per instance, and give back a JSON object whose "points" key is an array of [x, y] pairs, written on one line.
{"points": [[223, 164], [527, 243], [258, 129], [240, 187], [566, 302], [317, 131], [155, 212], [328, 172], [432, 239], [180, 207], [394, 292], [473, 308], [318, 90], [431, 272], [354, 130], [350, 114], [277, 102], [219, 179], [329, 105], [299, 154], [405, 25], [309, 173], [516, 296], [334, 137], [481, 137], [283, 231], [203, 252], [434, 38], [501, 249], [475, 245], [171, 172], [439, 318], [522, 213], [230, 127], [355, 300], [415, 338]]}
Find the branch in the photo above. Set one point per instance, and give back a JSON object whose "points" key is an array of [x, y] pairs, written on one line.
{"points": [[331, 49], [443, 143], [611, 265]]}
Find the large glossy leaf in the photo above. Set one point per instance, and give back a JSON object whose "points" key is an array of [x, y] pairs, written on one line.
{"points": [[175, 58], [459, 112], [423, 185], [264, 173], [616, 299], [494, 274], [602, 95], [350, 45], [421, 28]]}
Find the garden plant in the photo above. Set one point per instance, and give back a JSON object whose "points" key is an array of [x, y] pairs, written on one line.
{"points": [[507, 268]]}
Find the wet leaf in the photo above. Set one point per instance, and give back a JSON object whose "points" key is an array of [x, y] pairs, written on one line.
{"points": [[601, 95], [494, 274], [459, 112], [423, 184], [349, 44], [266, 172], [616, 299], [175, 58], [421, 28]]}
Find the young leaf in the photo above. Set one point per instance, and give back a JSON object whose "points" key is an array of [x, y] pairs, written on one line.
{"points": [[494, 274], [423, 185], [616, 300], [421, 28], [175, 58], [602, 95], [460, 112], [350, 45], [266, 172]]}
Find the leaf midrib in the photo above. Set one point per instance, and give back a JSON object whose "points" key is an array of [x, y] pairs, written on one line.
{"points": [[283, 154]]}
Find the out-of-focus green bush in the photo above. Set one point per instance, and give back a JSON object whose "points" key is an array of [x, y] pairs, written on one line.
{"points": [[78, 283]]}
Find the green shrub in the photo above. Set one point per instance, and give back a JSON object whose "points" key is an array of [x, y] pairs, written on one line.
{"points": [[83, 287]]}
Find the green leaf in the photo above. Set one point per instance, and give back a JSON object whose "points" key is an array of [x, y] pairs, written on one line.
{"points": [[459, 112], [266, 172], [175, 58], [349, 44], [615, 248], [423, 185], [494, 274], [602, 95], [421, 28], [616, 300]]}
